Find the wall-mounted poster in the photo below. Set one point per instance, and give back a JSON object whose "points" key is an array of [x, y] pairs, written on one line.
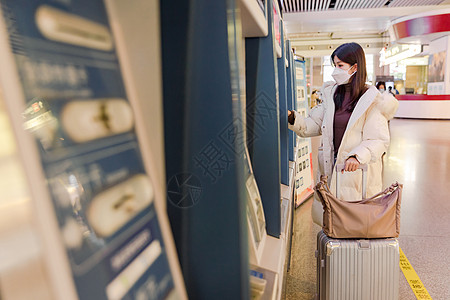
{"points": [[436, 67]]}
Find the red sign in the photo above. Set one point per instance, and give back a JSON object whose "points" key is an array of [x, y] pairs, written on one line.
{"points": [[422, 26]]}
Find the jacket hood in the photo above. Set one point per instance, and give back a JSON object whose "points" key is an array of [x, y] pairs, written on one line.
{"points": [[387, 105], [385, 102]]}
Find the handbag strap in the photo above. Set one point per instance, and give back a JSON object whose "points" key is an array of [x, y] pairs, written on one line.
{"points": [[324, 183], [386, 191]]}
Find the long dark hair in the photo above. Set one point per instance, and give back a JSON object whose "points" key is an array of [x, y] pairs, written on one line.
{"points": [[381, 83], [351, 53]]}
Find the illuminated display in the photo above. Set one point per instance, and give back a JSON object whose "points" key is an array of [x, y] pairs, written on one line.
{"points": [[398, 52]]}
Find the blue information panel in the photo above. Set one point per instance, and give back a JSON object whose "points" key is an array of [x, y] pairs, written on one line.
{"points": [[84, 126]]}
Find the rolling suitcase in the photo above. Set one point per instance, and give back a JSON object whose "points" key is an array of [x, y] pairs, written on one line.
{"points": [[357, 269]]}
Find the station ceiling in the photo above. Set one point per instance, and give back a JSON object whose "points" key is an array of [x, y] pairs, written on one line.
{"points": [[292, 6], [316, 26]]}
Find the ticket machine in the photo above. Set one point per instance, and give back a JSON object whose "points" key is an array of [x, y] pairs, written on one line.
{"points": [[208, 178], [78, 111], [263, 117]]}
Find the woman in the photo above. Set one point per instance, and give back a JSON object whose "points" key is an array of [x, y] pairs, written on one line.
{"points": [[381, 86], [352, 121], [315, 98]]}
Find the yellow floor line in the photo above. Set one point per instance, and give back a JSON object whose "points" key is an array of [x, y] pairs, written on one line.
{"points": [[413, 279]]}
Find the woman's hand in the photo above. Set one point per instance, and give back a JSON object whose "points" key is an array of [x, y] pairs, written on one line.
{"points": [[351, 164]]}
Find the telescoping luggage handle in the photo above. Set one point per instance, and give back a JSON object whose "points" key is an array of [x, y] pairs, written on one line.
{"points": [[363, 167]]}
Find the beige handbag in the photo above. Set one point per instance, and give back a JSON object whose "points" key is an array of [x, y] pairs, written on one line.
{"points": [[375, 217]]}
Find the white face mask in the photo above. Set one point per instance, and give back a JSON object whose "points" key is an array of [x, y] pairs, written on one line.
{"points": [[341, 76], [382, 90]]}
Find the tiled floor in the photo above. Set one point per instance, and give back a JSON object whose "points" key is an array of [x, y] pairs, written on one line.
{"points": [[419, 157]]}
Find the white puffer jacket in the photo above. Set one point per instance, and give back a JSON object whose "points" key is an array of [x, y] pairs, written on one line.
{"points": [[366, 136]]}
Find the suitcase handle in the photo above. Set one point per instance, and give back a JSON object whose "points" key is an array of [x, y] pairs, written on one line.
{"points": [[363, 167]]}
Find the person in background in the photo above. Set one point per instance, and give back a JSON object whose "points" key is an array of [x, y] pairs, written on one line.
{"points": [[381, 86], [395, 91], [391, 91], [353, 124], [315, 98]]}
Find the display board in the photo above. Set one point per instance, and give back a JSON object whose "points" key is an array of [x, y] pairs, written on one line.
{"points": [[59, 59], [303, 162]]}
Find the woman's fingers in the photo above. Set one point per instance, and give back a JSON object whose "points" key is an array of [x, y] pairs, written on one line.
{"points": [[351, 164]]}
